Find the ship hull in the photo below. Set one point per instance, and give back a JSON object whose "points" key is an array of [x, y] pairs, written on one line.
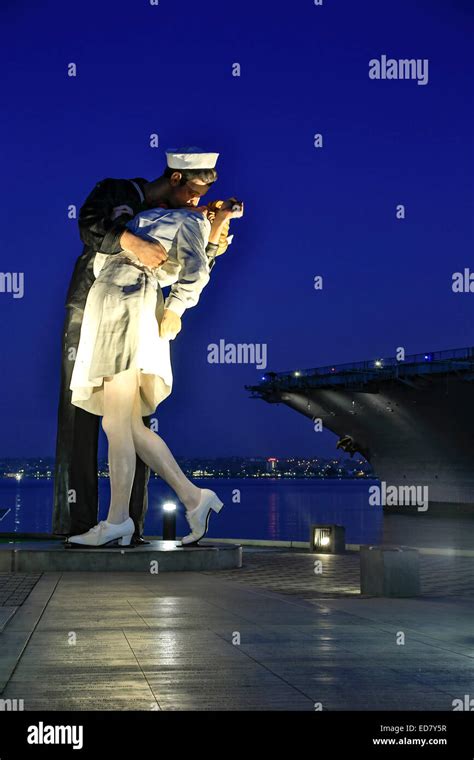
{"points": [[413, 434]]}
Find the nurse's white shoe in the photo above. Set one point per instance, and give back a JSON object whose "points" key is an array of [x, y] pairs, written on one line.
{"points": [[198, 518], [105, 532]]}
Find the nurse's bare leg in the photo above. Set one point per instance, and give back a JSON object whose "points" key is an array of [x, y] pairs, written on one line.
{"points": [[119, 398], [155, 453]]}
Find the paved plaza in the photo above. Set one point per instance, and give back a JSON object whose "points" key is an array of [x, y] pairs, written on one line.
{"points": [[272, 635]]}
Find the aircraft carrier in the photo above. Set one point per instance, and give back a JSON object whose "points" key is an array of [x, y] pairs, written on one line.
{"points": [[413, 420]]}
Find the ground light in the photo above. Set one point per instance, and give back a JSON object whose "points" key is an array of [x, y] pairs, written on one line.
{"points": [[327, 539]]}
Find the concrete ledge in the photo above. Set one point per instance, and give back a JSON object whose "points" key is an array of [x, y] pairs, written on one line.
{"points": [[440, 551], [53, 556], [429, 550], [391, 571]]}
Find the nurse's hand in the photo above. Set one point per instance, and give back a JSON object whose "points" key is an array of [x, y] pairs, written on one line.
{"points": [[170, 324], [231, 209]]}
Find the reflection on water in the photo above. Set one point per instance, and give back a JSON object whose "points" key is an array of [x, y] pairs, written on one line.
{"points": [[272, 514], [17, 510], [266, 509]]}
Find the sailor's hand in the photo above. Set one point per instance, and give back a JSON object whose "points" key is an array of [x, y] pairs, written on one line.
{"points": [[170, 324], [150, 252]]}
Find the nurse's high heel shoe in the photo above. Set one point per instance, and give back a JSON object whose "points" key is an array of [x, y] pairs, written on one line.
{"points": [[105, 532], [198, 518]]}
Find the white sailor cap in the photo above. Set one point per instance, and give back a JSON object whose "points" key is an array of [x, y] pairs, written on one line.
{"points": [[190, 158]]}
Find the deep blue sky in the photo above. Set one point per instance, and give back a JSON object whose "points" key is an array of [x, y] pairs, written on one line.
{"points": [[304, 69]]}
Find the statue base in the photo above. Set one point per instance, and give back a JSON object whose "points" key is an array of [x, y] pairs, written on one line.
{"points": [[155, 557]]}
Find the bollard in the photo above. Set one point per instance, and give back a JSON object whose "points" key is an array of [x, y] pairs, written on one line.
{"points": [[169, 521]]}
